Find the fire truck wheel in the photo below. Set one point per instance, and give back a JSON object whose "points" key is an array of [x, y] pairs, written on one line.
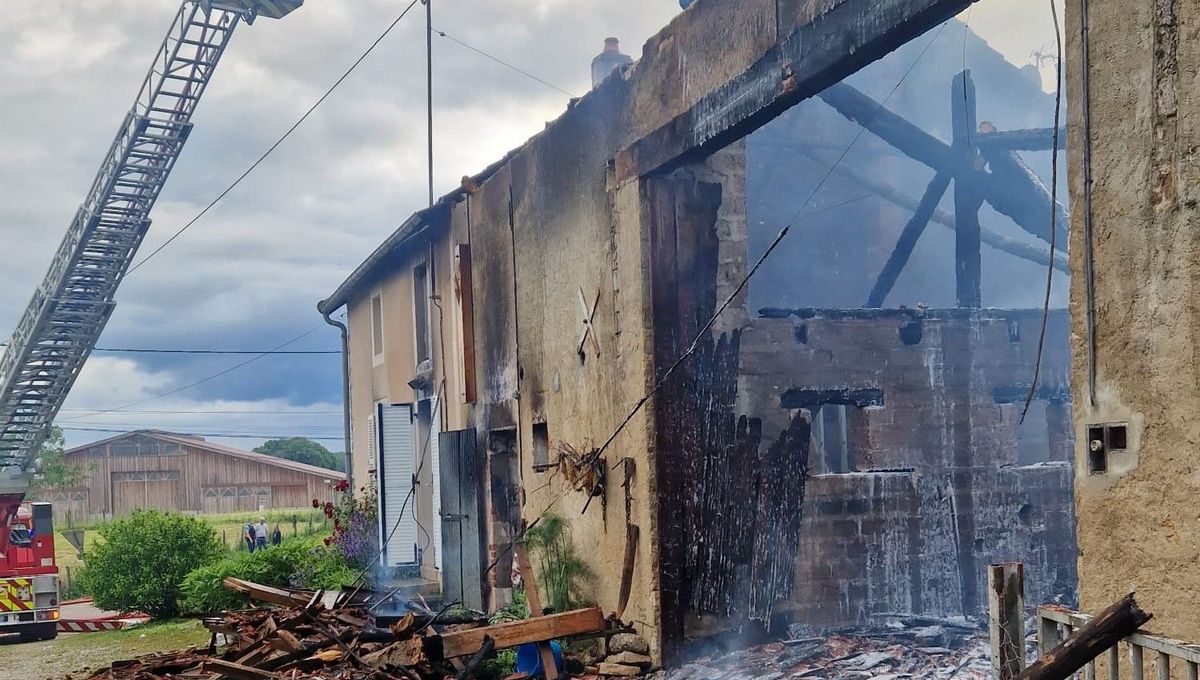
{"points": [[41, 631]]}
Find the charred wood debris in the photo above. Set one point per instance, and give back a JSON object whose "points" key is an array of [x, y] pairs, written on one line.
{"points": [[333, 636]]}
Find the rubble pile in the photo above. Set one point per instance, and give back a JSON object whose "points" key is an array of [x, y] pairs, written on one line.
{"points": [[329, 636], [865, 656], [303, 642]]}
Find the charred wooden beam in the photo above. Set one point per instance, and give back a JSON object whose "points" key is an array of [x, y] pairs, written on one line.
{"points": [[1008, 168], [908, 240], [924, 147], [1021, 249], [1035, 139], [815, 54], [798, 397], [968, 193], [1110, 626]]}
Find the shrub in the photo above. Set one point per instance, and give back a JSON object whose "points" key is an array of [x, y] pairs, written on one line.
{"points": [[142, 559], [561, 573], [296, 563]]}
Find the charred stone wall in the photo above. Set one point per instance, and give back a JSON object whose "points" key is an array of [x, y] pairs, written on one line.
{"points": [[923, 473]]}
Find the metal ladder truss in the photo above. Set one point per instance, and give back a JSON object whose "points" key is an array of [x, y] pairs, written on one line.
{"points": [[70, 308]]}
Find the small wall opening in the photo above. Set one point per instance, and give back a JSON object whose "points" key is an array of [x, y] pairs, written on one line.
{"points": [[1097, 452], [541, 448]]}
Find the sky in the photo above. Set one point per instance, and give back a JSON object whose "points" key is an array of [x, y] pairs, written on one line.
{"points": [[249, 274]]}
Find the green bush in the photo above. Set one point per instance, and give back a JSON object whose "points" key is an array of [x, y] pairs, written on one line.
{"points": [[296, 563], [142, 559]]}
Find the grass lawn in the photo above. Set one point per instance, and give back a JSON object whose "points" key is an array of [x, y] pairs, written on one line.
{"points": [[74, 653]]}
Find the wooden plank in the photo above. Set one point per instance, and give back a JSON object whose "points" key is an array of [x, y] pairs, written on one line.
{"points": [[257, 591], [632, 533], [1118, 621], [1006, 619], [542, 629], [229, 669], [1136, 662], [908, 239], [1176, 648], [534, 599], [1164, 666]]}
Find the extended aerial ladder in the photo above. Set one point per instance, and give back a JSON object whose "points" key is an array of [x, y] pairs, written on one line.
{"points": [[70, 308]]}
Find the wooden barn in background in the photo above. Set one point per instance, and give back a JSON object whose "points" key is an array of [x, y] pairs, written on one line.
{"points": [[166, 471]]}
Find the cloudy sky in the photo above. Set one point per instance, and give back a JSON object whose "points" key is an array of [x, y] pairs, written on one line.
{"points": [[248, 275]]}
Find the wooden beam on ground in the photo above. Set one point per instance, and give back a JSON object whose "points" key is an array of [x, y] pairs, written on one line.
{"points": [[820, 48], [924, 147], [257, 591], [1006, 619], [533, 598], [1024, 250], [908, 239], [1109, 627], [968, 195], [543, 629]]}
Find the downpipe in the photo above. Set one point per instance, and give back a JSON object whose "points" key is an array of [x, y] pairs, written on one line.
{"points": [[345, 393]]}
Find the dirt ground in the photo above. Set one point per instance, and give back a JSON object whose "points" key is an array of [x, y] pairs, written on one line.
{"points": [[75, 654]]}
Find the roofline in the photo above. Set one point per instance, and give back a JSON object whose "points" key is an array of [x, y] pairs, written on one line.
{"points": [[405, 235], [222, 449]]}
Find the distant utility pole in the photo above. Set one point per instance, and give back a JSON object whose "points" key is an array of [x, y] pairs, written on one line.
{"points": [[429, 86]]}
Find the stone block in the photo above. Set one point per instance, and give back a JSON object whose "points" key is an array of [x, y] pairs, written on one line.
{"points": [[619, 670], [628, 642]]}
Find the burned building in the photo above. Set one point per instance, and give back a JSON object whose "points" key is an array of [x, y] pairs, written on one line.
{"points": [[609, 325]]}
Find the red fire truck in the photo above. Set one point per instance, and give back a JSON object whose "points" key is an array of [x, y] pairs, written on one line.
{"points": [[29, 574]]}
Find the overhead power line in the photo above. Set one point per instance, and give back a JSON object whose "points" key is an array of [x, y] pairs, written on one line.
{"points": [[278, 142], [503, 63], [131, 350], [294, 412], [190, 385], [227, 435]]}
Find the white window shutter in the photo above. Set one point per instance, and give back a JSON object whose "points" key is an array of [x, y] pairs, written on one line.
{"points": [[396, 467]]}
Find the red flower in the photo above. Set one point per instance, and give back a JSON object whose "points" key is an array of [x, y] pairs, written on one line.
{"points": [[342, 485], [328, 540], [337, 525], [316, 503]]}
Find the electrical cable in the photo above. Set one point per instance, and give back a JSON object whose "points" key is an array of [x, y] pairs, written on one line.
{"points": [[1037, 364], [278, 142], [130, 350], [201, 381], [297, 412], [227, 435], [503, 63]]}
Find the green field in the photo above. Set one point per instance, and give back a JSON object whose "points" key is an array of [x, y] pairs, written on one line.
{"points": [[228, 527]]}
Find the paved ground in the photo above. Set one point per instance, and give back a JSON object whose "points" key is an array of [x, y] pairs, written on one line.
{"points": [[82, 610]]}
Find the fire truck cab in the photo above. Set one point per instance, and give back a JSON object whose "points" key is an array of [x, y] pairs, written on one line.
{"points": [[29, 575]]}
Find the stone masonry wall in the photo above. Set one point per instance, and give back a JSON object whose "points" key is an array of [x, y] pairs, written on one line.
{"points": [[943, 479]]}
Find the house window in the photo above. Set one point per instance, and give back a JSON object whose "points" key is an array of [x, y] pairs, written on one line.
{"points": [[831, 435], [377, 325], [421, 310], [541, 447]]}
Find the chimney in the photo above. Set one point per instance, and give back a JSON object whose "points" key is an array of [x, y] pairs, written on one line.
{"points": [[608, 61]]}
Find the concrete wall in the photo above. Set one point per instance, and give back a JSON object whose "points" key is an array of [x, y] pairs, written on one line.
{"points": [[1137, 521]]}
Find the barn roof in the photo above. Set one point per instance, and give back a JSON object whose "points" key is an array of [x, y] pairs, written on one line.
{"points": [[221, 449]]}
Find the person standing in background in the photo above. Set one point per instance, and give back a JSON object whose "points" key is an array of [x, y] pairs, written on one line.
{"points": [[276, 535], [261, 530], [248, 536]]}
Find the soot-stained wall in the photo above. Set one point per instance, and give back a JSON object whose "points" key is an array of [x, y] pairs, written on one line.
{"points": [[934, 477]]}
